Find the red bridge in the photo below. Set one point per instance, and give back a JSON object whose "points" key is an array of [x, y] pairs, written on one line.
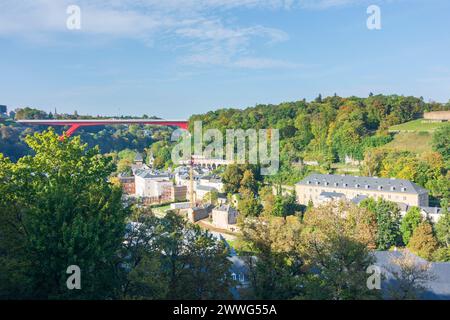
{"points": [[75, 124]]}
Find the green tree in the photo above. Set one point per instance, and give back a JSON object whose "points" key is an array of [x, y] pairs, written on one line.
{"points": [[285, 205], [249, 205], [249, 182], [30, 113], [443, 226], [211, 197], [194, 263], [278, 207], [388, 222], [303, 134], [169, 258], [162, 153], [271, 251], [335, 243], [441, 141], [232, 178], [140, 256], [61, 207], [409, 223], [423, 242], [267, 199], [410, 278]]}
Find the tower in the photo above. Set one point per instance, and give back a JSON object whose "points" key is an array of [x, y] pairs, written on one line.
{"points": [[191, 182]]}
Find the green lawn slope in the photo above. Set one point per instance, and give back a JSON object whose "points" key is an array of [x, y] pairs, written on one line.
{"points": [[416, 126], [416, 142]]}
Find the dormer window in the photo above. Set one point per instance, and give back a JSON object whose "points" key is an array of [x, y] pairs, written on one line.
{"points": [[308, 182], [367, 186], [336, 184], [345, 184], [392, 188], [357, 185], [403, 189], [380, 187]]}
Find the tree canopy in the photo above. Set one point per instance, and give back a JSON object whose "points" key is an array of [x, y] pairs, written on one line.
{"points": [[58, 209]]}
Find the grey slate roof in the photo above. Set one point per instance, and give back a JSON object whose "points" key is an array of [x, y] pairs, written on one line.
{"points": [[206, 188], [362, 183], [437, 289], [225, 208], [149, 174], [432, 210], [332, 194], [138, 157], [359, 198]]}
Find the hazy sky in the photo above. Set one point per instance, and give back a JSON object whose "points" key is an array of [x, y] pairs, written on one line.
{"points": [[173, 58]]}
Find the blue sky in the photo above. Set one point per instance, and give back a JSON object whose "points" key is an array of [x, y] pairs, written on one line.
{"points": [[174, 58]]}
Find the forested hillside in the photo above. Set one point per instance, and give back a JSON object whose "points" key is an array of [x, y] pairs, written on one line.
{"points": [[326, 129], [329, 129]]}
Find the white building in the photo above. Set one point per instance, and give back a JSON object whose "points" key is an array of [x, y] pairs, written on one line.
{"points": [[201, 191], [151, 183], [318, 187], [180, 205], [224, 217], [212, 181]]}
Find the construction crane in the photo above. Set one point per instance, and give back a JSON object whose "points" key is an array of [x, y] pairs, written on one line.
{"points": [[191, 182]]}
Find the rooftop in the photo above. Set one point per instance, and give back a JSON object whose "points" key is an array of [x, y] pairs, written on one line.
{"points": [[225, 208], [205, 188], [138, 157], [332, 194], [150, 174], [362, 183], [437, 289]]}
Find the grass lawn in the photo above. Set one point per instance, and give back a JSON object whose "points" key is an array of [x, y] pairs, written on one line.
{"points": [[416, 126], [416, 142], [232, 243], [342, 168], [160, 210]]}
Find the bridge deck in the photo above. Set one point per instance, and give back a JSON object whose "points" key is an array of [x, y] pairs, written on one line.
{"points": [[76, 124]]}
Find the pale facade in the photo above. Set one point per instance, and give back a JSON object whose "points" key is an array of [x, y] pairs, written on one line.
{"points": [[320, 187], [215, 183], [201, 191], [437, 115], [224, 217], [149, 184]]}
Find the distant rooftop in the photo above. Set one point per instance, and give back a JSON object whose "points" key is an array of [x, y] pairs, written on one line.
{"points": [[362, 183], [359, 198], [205, 188], [150, 174], [437, 289], [138, 157], [432, 210], [332, 194], [225, 208]]}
